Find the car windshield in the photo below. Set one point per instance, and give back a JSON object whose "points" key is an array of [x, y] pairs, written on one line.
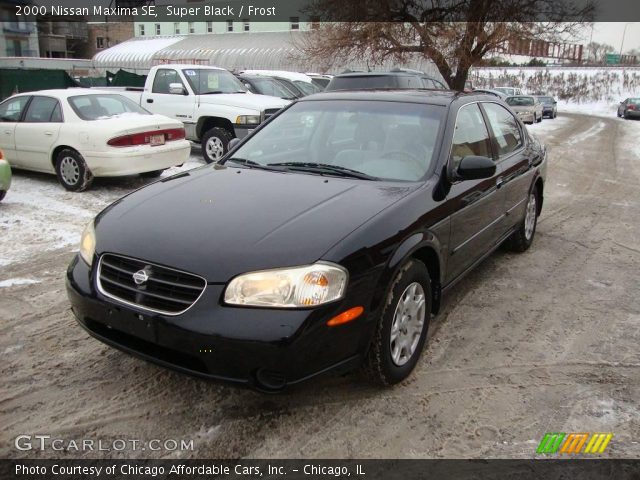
{"points": [[635, 101], [520, 101], [206, 81], [378, 140], [102, 106], [507, 90]]}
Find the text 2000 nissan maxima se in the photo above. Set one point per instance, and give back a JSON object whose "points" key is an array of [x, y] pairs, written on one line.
{"points": [[322, 242]]}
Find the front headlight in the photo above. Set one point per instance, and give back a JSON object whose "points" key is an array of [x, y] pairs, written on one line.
{"points": [[248, 119], [88, 243], [296, 287]]}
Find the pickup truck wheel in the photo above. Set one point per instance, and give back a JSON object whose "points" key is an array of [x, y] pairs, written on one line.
{"points": [[522, 238], [402, 328], [152, 173], [72, 171], [215, 143]]}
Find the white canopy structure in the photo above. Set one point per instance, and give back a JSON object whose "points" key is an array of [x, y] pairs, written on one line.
{"points": [[233, 51]]}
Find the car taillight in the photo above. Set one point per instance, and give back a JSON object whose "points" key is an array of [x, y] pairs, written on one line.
{"points": [[631, 107], [144, 138]]}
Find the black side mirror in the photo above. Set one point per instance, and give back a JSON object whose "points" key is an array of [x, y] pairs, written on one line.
{"points": [[475, 167], [233, 142]]}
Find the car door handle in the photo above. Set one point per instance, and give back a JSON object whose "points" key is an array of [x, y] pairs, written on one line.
{"points": [[8, 132], [48, 134], [149, 100], [499, 182]]}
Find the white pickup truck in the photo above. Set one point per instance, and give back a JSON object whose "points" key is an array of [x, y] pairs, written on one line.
{"points": [[212, 103]]}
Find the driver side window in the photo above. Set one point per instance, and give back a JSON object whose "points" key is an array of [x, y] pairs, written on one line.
{"points": [[471, 136], [164, 78]]}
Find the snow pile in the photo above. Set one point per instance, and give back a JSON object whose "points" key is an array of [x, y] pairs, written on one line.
{"points": [[585, 90]]}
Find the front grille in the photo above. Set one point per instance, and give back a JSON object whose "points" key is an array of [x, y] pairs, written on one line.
{"points": [[165, 290], [269, 112]]}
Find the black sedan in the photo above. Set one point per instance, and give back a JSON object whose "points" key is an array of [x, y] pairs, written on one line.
{"points": [[321, 242]]}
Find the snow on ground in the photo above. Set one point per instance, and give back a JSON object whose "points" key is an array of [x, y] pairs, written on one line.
{"points": [[591, 91], [17, 281], [39, 214]]}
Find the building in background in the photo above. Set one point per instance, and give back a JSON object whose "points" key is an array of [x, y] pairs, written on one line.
{"points": [[62, 39], [151, 29], [107, 34], [18, 38]]}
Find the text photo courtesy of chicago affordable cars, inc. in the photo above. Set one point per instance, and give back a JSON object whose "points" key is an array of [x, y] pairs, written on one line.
{"points": [[319, 239]]}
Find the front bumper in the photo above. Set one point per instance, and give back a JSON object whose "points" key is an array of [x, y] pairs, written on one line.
{"points": [[262, 348], [132, 160], [242, 131]]}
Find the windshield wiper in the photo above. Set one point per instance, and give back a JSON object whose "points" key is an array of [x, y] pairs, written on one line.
{"points": [[212, 92], [253, 164], [323, 168]]}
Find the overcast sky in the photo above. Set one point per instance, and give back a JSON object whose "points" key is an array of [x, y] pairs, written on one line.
{"points": [[611, 33]]}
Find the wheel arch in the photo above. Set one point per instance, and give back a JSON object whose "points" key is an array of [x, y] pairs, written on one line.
{"points": [[207, 123], [57, 150], [426, 248], [538, 184]]}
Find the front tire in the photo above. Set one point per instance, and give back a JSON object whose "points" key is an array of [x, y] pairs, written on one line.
{"points": [[215, 143], [72, 171], [402, 328], [3, 194], [522, 238]]}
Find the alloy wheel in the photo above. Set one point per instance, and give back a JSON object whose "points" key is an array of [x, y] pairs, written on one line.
{"points": [[215, 148], [408, 323], [70, 170], [530, 218]]}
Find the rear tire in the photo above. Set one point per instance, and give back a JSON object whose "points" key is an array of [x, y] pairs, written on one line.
{"points": [[402, 328], [215, 144], [522, 238], [152, 173], [3, 193], [72, 171], [540, 118]]}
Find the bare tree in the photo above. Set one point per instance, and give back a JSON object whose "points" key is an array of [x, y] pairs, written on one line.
{"points": [[598, 51], [454, 34]]}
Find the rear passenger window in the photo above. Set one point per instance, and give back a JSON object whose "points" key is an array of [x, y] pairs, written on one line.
{"points": [[471, 136], [505, 128], [41, 110]]}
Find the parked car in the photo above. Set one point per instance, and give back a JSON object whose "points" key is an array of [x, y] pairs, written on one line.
{"points": [[549, 106], [320, 81], [211, 102], [302, 82], [327, 239], [528, 108], [400, 79], [5, 176], [79, 134], [509, 91], [629, 108], [266, 86], [489, 91]]}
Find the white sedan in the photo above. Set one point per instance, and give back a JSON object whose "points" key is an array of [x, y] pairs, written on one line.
{"points": [[79, 134]]}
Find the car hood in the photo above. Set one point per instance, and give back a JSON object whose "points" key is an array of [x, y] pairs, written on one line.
{"points": [[219, 222], [244, 100]]}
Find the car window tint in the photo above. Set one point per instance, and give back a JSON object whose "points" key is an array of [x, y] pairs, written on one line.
{"points": [[11, 110], [471, 136], [56, 116], [102, 106], [40, 109], [505, 128], [164, 78]]}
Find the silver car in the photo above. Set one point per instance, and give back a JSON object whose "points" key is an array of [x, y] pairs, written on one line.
{"points": [[528, 108]]}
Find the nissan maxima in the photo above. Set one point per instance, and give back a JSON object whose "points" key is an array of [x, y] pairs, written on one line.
{"points": [[322, 242]]}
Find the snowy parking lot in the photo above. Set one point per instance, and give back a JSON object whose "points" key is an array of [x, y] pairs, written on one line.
{"points": [[526, 344]]}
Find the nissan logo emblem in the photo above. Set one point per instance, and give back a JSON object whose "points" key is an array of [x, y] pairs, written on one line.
{"points": [[140, 277]]}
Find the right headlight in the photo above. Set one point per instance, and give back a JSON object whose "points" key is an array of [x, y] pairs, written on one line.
{"points": [[297, 287], [88, 243]]}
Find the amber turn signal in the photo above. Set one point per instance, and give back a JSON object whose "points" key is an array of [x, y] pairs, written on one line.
{"points": [[346, 317]]}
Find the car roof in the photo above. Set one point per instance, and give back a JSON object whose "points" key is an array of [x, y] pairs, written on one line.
{"points": [[432, 97], [188, 66], [66, 92], [381, 74]]}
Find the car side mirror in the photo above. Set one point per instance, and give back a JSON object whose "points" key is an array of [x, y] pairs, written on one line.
{"points": [[176, 89], [233, 142], [475, 167]]}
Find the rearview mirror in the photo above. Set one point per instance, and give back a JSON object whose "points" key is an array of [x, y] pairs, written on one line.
{"points": [[475, 167], [176, 89]]}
